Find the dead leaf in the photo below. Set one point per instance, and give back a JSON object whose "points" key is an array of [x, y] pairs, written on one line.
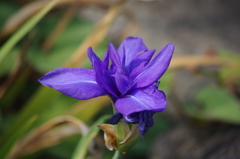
{"points": [[16, 20], [193, 61], [109, 136], [49, 134]]}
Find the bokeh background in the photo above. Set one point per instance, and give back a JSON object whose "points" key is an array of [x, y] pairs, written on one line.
{"points": [[202, 84]]}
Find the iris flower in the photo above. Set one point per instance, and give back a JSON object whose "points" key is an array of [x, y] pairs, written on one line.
{"points": [[128, 75]]}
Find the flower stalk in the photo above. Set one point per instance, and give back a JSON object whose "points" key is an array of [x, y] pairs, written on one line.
{"points": [[117, 155], [126, 135], [121, 129]]}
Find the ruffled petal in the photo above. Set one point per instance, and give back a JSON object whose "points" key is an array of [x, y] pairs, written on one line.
{"points": [[142, 99], [145, 121], [105, 62], [74, 82], [123, 82], [115, 118], [137, 71], [96, 62], [114, 57], [142, 59], [104, 77], [129, 49], [156, 68], [132, 118], [106, 80]]}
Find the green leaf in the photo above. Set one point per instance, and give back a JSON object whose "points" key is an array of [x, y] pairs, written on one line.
{"points": [[7, 64], [15, 137], [230, 73], [4, 50], [216, 104], [15, 89], [35, 106], [81, 149], [57, 105], [73, 35], [44, 97], [8, 46], [64, 149], [166, 81]]}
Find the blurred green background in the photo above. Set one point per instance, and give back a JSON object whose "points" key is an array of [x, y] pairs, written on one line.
{"points": [[202, 84]]}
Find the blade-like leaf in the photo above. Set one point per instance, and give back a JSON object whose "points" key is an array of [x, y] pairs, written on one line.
{"points": [[81, 149], [40, 101], [10, 142], [7, 47], [27, 113]]}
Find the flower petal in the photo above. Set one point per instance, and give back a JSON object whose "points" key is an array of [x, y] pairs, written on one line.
{"points": [[141, 59], [115, 118], [106, 80], [145, 121], [129, 48], [137, 71], [96, 62], [114, 57], [132, 118], [156, 68], [74, 82], [104, 77], [105, 61], [123, 82], [142, 99]]}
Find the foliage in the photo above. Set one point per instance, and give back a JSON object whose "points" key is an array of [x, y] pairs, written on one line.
{"points": [[26, 106], [216, 104]]}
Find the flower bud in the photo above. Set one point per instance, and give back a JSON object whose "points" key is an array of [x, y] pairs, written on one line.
{"points": [[113, 134]]}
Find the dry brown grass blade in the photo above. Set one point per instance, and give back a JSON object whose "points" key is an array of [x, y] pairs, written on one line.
{"points": [[68, 15], [129, 29], [96, 36], [193, 61], [16, 20], [49, 134]]}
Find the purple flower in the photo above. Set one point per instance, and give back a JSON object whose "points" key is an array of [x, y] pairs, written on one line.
{"points": [[129, 76]]}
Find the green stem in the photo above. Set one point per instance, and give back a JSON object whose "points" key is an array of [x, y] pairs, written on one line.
{"points": [[121, 128], [117, 155], [82, 147]]}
